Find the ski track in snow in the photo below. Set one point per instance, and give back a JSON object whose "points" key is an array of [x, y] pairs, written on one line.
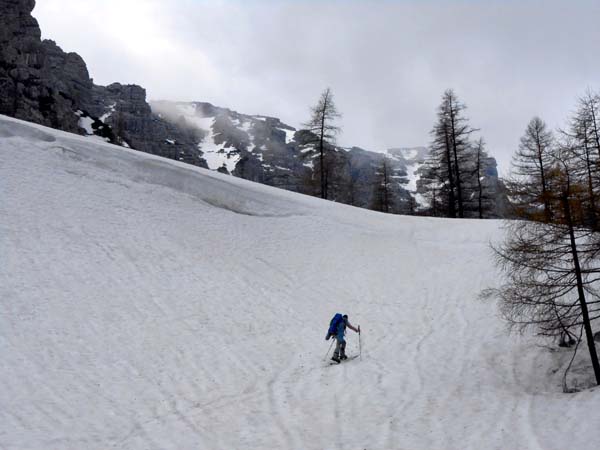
{"points": [[149, 304]]}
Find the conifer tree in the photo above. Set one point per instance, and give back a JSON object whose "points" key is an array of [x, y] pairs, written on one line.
{"points": [[446, 169], [528, 184], [584, 146], [321, 125], [550, 259], [382, 192], [589, 111], [480, 200]]}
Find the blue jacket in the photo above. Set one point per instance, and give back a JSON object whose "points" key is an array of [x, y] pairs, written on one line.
{"points": [[341, 329]]}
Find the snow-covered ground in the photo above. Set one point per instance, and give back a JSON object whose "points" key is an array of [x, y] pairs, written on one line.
{"points": [[148, 304]]}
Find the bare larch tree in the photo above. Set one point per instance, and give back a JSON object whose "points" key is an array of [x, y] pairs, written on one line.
{"points": [[382, 192], [446, 168], [480, 198], [550, 260], [584, 142], [528, 183], [321, 124]]}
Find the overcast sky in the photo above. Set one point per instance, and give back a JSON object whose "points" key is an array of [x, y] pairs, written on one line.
{"points": [[387, 62]]}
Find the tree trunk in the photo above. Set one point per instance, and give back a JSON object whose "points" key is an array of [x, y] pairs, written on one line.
{"points": [[455, 151], [592, 196], [595, 127], [451, 199], [479, 205], [386, 199], [543, 176], [584, 310], [321, 156]]}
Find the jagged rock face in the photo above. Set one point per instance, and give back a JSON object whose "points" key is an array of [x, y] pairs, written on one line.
{"points": [[38, 81], [41, 83], [135, 122], [252, 147], [265, 150], [495, 203], [497, 191], [17, 21]]}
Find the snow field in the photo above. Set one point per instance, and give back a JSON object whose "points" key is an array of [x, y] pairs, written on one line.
{"points": [[150, 304]]}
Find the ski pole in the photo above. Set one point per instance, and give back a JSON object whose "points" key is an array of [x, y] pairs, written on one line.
{"points": [[359, 345], [330, 345], [333, 339]]}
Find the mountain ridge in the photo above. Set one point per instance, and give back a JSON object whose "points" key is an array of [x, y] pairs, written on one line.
{"points": [[41, 83]]}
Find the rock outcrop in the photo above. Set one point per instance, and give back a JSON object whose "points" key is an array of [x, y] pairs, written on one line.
{"points": [[266, 150], [38, 81], [41, 83]]}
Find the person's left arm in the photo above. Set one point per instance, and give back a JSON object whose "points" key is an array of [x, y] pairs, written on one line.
{"points": [[357, 330]]}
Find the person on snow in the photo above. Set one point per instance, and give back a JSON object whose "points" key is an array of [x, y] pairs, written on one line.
{"points": [[337, 329]]}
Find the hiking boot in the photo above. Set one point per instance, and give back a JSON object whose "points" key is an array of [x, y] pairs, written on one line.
{"points": [[336, 359], [343, 357]]}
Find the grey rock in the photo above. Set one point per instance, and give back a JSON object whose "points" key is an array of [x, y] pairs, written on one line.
{"points": [[134, 124], [38, 81], [41, 83]]}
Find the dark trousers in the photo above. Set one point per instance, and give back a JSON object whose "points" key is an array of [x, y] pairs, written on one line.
{"points": [[340, 347]]}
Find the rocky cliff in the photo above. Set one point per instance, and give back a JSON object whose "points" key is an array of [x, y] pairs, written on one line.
{"points": [[41, 83], [38, 81], [266, 150]]}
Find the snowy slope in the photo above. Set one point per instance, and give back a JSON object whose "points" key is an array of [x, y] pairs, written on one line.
{"points": [[149, 304]]}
